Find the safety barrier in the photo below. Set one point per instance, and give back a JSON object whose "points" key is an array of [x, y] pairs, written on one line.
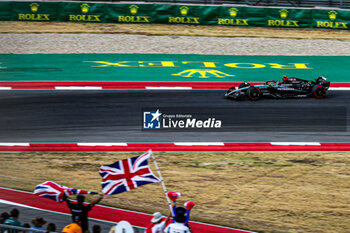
{"points": [[174, 14]]}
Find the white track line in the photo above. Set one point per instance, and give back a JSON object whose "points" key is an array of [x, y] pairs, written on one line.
{"points": [[103, 144], [199, 144], [168, 88], [339, 89], [14, 144], [295, 143], [78, 88], [147, 88]]}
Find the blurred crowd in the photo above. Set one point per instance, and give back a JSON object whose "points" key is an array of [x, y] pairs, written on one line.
{"points": [[79, 223], [37, 223]]}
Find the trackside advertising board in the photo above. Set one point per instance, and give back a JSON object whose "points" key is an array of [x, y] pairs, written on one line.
{"points": [[174, 14]]}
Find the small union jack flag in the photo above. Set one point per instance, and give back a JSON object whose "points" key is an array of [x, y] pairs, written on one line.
{"points": [[127, 174], [57, 192]]}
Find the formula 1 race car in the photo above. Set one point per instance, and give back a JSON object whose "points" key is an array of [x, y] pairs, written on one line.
{"points": [[288, 88]]}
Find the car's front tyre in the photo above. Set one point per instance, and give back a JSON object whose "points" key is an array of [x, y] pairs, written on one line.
{"points": [[254, 93]]}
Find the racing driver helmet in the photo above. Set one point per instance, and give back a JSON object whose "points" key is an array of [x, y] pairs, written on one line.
{"points": [[285, 79], [321, 79]]}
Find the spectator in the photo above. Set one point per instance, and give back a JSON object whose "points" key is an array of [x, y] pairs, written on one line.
{"points": [[96, 229], [112, 230], [74, 227], [157, 224], [80, 210], [4, 217], [13, 219], [38, 223], [51, 227], [178, 226], [26, 225]]}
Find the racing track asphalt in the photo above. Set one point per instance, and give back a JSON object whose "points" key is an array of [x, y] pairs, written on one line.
{"points": [[116, 116]]}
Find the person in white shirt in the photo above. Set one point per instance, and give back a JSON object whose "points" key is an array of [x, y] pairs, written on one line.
{"points": [[157, 224]]}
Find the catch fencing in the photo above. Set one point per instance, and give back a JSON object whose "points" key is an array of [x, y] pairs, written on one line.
{"points": [[276, 3]]}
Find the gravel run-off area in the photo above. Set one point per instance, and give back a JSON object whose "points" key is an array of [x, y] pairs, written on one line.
{"points": [[19, 43]]}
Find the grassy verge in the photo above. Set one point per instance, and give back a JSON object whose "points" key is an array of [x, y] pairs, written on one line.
{"points": [[173, 30], [265, 192]]}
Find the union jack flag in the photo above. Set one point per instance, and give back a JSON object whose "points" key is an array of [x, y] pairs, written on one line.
{"points": [[127, 174], [57, 192]]}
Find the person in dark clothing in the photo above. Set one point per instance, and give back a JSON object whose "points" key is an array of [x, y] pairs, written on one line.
{"points": [[13, 219], [51, 227], [80, 210], [96, 229], [4, 217], [26, 225]]}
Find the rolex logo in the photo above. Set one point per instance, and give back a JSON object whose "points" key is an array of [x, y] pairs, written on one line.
{"points": [[34, 7], [184, 10], [233, 12], [202, 73], [84, 8], [283, 13], [133, 9], [332, 15]]}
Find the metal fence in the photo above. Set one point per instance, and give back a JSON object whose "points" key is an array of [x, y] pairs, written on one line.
{"points": [[345, 4], [139, 229], [13, 229]]}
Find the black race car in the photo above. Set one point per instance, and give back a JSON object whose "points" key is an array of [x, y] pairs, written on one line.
{"points": [[288, 88]]}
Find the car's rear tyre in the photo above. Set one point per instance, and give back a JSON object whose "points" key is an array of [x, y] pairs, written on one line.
{"points": [[319, 91], [242, 85], [254, 93]]}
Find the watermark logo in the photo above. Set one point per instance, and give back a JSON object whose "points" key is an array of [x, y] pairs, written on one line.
{"points": [[179, 119], [152, 120]]}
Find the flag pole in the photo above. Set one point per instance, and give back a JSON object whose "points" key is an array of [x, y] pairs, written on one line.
{"points": [[162, 182]]}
